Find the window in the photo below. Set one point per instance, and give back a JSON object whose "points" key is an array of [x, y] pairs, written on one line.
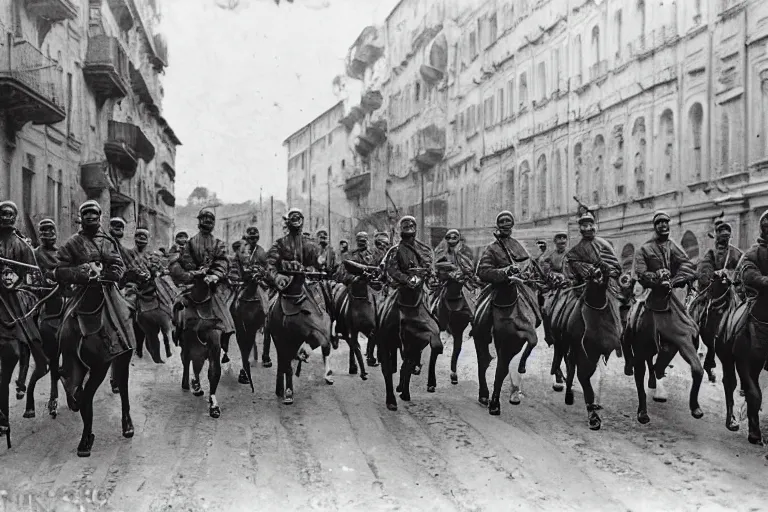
{"points": [[480, 22], [69, 104], [725, 143], [596, 44], [556, 69], [667, 133], [639, 145], [27, 179], [525, 172], [488, 112], [619, 39], [598, 155], [557, 183], [577, 169], [330, 138], [695, 116], [472, 45], [330, 171], [304, 185], [641, 21], [541, 171], [418, 92], [343, 163], [696, 12], [542, 79], [523, 95], [500, 103], [493, 28], [510, 97]]}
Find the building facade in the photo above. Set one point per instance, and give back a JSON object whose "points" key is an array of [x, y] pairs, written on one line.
{"points": [[81, 113], [318, 159], [628, 106]]}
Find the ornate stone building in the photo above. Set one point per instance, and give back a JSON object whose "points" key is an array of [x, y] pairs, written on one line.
{"points": [[629, 106], [81, 101]]}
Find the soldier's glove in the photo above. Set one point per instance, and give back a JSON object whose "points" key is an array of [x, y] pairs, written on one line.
{"points": [[114, 273], [282, 281], [211, 279], [663, 274]]}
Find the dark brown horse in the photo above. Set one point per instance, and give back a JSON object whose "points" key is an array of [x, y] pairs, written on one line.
{"points": [[201, 340], [710, 314], [407, 331], [453, 309], [510, 328], [249, 311], [90, 327], [355, 306], [297, 320], [153, 319], [591, 330]]}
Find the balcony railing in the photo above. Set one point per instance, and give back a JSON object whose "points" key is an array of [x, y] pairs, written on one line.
{"points": [[371, 101], [358, 184], [52, 10], [368, 48], [364, 146], [431, 146], [125, 144], [123, 13], [31, 87], [106, 68], [146, 85]]}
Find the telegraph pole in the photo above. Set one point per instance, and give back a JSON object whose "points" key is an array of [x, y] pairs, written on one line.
{"points": [[423, 233], [329, 207]]}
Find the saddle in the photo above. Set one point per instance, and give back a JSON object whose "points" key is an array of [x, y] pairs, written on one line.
{"points": [[735, 322], [505, 302], [413, 302], [91, 322], [291, 305]]}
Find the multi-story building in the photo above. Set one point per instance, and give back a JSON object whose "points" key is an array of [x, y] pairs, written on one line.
{"points": [[318, 159], [628, 106], [81, 113]]}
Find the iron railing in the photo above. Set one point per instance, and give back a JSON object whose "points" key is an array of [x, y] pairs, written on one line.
{"points": [[22, 62]]}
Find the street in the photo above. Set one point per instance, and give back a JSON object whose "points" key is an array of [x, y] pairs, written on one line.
{"points": [[339, 448]]}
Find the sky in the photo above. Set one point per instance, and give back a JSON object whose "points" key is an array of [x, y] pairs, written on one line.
{"points": [[240, 82]]}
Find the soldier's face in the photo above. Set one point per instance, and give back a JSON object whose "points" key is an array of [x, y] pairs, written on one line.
{"points": [[252, 236], [662, 227], [116, 229], [206, 223], [90, 220], [181, 241], [141, 240], [295, 221], [382, 243], [7, 217], [560, 243], [408, 228], [322, 238], [344, 246], [9, 278], [505, 225], [764, 228], [452, 240], [587, 229], [362, 243], [542, 248], [723, 237], [48, 236]]}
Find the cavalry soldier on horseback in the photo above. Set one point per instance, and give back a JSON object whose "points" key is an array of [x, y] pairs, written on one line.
{"points": [[347, 275], [507, 310], [179, 242], [716, 268], [552, 263], [343, 249], [453, 305], [660, 324], [381, 241], [16, 305], [750, 328]]}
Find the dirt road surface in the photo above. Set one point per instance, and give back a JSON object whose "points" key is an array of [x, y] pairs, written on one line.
{"points": [[339, 448]]}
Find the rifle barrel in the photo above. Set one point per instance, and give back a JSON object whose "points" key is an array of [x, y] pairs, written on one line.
{"points": [[19, 264]]}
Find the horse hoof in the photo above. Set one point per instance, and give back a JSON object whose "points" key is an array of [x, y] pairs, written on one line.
{"points": [[594, 422], [755, 439], [20, 394], [399, 388], [242, 378], [405, 397], [329, 380], [140, 354], [660, 399], [159, 361], [514, 398], [642, 417], [128, 428], [430, 389], [266, 364], [29, 413], [353, 370], [569, 398], [225, 359], [697, 413], [287, 400], [185, 386], [483, 400], [113, 384], [364, 375], [521, 369], [53, 407], [732, 425], [741, 392], [198, 392], [629, 371], [372, 362], [85, 446], [168, 353], [392, 407], [214, 411], [494, 408], [416, 370], [558, 386]]}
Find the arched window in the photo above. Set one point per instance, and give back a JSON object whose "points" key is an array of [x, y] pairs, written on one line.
{"points": [[509, 192], [577, 57], [541, 172], [725, 143], [557, 182], [596, 44], [667, 135], [691, 246], [577, 170], [627, 257], [641, 21], [542, 78], [598, 177], [639, 148], [525, 190], [618, 22], [523, 95], [695, 118]]}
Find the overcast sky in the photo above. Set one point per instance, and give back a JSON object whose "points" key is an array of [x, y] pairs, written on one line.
{"points": [[238, 83]]}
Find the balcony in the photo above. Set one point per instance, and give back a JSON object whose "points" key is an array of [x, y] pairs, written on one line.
{"points": [[357, 185], [437, 65], [30, 86], [161, 45], [167, 197], [52, 10], [123, 13], [146, 85], [106, 68], [169, 170], [431, 146], [355, 115], [371, 101], [364, 146], [94, 178], [377, 132], [366, 50], [125, 144]]}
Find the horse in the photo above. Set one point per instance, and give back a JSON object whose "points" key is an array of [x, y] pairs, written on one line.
{"points": [[592, 329], [647, 350], [200, 339], [49, 322], [88, 333], [711, 314], [405, 332], [249, 311], [510, 303], [153, 320], [297, 318], [453, 310], [357, 311]]}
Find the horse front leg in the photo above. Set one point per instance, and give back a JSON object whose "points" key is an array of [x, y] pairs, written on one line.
{"points": [[749, 366], [570, 373], [53, 399], [185, 361], [555, 371], [504, 355], [41, 368], [387, 370], [458, 339], [688, 352], [214, 372], [266, 362], [521, 367], [328, 375], [8, 363], [483, 351], [431, 374], [288, 374], [663, 359], [585, 368], [98, 373], [21, 387], [725, 354], [639, 365], [198, 361], [122, 366], [357, 352]]}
